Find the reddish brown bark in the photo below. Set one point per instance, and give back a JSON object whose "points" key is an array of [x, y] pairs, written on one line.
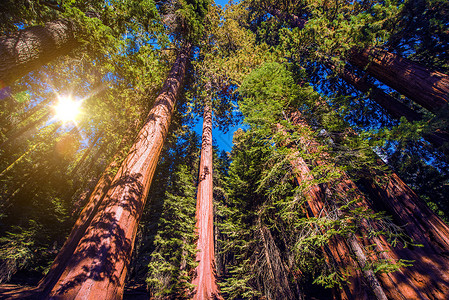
{"points": [[394, 108], [98, 266], [427, 87], [95, 198], [205, 280], [420, 223], [33, 47], [338, 252], [426, 279]]}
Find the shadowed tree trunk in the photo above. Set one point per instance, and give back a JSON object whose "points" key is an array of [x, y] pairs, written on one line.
{"points": [[338, 251], [276, 282], [97, 136], [205, 280], [97, 268], [27, 114], [408, 210], [393, 107], [426, 279], [28, 49], [426, 87], [95, 198], [12, 136]]}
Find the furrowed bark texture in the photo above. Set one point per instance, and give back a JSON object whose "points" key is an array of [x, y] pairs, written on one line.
{"points": [[338, 251], [421, 223], [426, 279], [98, 266], [205, 280], [85, 218], [394, 108], [275, 283], [426, 87], [33, 47]]}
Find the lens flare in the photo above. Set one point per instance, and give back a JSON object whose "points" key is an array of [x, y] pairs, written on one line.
{"points": [[67, 109]]}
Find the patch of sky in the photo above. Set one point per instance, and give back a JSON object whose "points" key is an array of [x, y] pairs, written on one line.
{"points": [[220, 138], [223, 2]]}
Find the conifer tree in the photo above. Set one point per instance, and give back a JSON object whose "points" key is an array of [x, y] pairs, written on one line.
{"points": [[344, 190], [205, 282], [172, 252], [116, 223], [426, 86], [100, 260]]}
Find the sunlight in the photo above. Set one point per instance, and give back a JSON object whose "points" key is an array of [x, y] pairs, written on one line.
{"points": [[67, 109]]}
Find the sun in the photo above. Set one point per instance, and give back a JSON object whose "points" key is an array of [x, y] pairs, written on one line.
{"points": [[67, 109]]}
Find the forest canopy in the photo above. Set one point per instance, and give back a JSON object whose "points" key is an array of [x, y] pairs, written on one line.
{"points": [[115, 180]]}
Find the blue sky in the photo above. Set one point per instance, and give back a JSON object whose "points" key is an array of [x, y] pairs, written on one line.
{"points": [[223, 140], [221, 2]]}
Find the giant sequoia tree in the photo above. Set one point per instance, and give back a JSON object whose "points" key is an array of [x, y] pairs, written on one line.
{"points": [[329, 195]]}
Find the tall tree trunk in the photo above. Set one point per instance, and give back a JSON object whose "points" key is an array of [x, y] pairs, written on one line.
{"points": [[95, 198], [426, 279], [394, 108], [33, 47], [276, 283], [28, 113], [12, 136], [97, 136], [338, 251], [98, 266], [205, 280], [408, 210], [426, 87]]}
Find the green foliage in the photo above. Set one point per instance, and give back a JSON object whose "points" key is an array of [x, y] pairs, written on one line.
{"points": [[269, 245], [51, 167], [262, 191], [170, 270]]}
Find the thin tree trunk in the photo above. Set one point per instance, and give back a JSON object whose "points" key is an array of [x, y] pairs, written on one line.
{"points": [[12, 136], [98, 267], [426, 87], [33, 47], [27, 114], [205, 280], [97, 136]]}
